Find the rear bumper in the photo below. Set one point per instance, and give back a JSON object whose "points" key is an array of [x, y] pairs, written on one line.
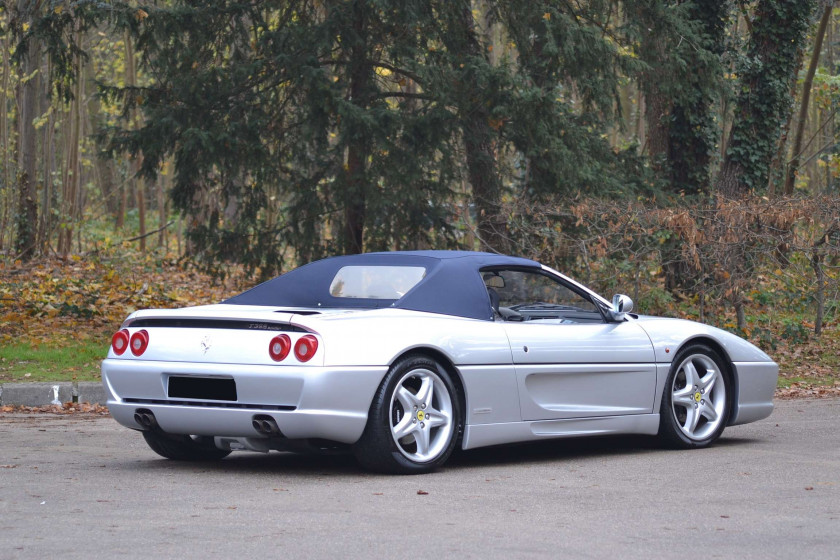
{"points": [[756, 387], [306, 401]]}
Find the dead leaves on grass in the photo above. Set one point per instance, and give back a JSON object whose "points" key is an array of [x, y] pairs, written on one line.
{"points": [[66, 408], [63, 299], [805, 390]]}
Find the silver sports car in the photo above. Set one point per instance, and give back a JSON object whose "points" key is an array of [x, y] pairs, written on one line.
{"points": [[404, 357]]}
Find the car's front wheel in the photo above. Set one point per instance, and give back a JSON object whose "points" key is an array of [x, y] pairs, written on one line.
{"points": [[415, 419], [696, 400], [183, 448]]}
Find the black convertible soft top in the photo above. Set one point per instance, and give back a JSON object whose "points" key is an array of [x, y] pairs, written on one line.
{"points": [[452, 284]]}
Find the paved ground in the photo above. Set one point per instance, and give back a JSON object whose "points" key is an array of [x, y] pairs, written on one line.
{"points": [[83, 487]]}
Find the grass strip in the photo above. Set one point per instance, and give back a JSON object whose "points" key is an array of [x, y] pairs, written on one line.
{"points": [[26, 362]]}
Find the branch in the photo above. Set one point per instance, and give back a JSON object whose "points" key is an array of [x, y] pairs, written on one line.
{"points": [[147, 234], [746, 17], [819, 152], [396, 70], [828, 120], [403, 94], [407, 73]]}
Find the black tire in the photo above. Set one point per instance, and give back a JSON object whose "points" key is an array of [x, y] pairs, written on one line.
{"points": [[431, 428], [696, 399], [183, 448]]}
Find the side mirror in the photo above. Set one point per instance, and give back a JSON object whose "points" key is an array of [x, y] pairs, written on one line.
{"points": [[621, 304]]}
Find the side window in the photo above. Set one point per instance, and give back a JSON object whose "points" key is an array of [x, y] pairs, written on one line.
{"points": [[531, 296]]}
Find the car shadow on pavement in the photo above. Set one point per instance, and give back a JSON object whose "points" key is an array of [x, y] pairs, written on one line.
{"points": [[245, 462], [342, 462], [557, 450], [572, 448], [336, 464]]}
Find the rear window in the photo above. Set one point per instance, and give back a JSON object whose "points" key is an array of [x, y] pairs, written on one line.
{"points": [[375, 282]]}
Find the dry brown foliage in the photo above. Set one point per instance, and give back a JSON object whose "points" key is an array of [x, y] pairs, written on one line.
{"points": [[716, 249], [90, 295], [66, 408]]}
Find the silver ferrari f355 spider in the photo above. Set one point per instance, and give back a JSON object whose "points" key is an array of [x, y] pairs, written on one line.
{"points": [[403, 357]]}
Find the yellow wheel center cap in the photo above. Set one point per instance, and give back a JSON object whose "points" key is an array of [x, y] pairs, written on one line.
{"points": [[421, 415], [697, 397]]}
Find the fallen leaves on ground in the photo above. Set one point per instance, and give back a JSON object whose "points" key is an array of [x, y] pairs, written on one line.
{"points": [[66, 408], [805, 390], [57, 301], [62, 299]]}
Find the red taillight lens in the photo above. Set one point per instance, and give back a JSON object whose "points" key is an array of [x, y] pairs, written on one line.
{"points": [[279, 347], [305, 347], [139, 342], [119, 342]]}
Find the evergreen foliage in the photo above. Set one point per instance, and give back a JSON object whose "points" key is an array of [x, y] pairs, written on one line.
{"points": [[298, 129], [680, 44], [562, 54], [694, 126], [340, 127], [288, 127]]}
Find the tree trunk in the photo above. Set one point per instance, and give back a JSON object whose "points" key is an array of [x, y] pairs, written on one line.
{"points": [[161, 206], [812, 167], [793, 165], [658, 118], [479, 146], [658, 105], [106, 174], [692, 123], [729, 181], [139, 187], [641, 131], [71, 211], [778, 158], [27, 205], [5, 174], [740, 314], [816, 264], [479, 136], [355, 187], [48, 154], [776, 37], [726, 113]]}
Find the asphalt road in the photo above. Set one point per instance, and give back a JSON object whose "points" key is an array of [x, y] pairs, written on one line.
{"points": [[84, 487]]}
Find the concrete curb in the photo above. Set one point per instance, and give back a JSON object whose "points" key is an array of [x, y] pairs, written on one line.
{"points": [[44, 394]]}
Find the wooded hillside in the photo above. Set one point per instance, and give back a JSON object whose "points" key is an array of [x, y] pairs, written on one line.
{"points": [[682, 151]]}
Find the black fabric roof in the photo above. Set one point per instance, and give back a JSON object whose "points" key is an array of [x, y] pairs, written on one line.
{"points": [[452, 285]]}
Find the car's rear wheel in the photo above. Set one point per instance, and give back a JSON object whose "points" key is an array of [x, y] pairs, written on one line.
{"points": [[696, 399], [415, 419], [183, 448]]}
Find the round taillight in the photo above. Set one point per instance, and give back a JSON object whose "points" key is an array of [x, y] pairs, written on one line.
{"points": [[119, 342], [279, 347], [139, 342], [305, 347]]}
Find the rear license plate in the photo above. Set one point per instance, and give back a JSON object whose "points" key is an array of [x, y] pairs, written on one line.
{"points": [[204, 388]]}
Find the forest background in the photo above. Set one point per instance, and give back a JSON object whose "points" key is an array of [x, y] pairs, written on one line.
{"points": [[174, 152]]}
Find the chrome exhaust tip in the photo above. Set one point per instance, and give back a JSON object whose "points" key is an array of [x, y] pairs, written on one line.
{"points": [[145, 418], [266, 425]]}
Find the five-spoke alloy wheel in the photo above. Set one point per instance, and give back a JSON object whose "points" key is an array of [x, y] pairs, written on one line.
{"points": [[415, 420], [695, 403]]}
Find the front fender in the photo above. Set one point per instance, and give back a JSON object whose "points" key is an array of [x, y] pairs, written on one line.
{"points": [[669, 335]]}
